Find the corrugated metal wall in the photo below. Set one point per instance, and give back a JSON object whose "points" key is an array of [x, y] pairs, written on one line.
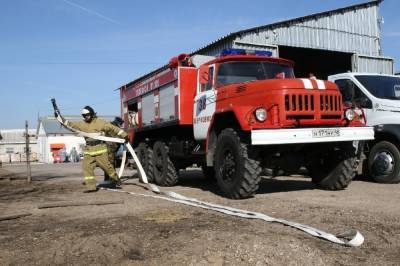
{"points": [[257, 46], [354, 31], [11, 136], [13, 142], [371, 64]]}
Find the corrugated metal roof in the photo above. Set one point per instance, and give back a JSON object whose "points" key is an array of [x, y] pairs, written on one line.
{"points": [[52, 126], [224, 42]]}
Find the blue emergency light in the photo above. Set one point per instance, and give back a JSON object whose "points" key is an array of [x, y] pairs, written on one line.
{"points": [[233, 51], [236, 51], [263, 53]]}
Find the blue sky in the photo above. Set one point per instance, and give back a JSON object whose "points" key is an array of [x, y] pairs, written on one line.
{"points": [[80, 51]]}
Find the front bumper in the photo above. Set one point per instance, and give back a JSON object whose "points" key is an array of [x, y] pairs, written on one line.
{"points": [[310, 135]]}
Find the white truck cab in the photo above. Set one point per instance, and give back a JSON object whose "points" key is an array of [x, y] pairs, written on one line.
{"points": [[379, 97]]}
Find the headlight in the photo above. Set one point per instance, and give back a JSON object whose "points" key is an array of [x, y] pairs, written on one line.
{"points": [[350, 114], [261, 114]]}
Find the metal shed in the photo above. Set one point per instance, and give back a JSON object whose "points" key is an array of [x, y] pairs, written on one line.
{"points": [[340, 40], [13, 145]]}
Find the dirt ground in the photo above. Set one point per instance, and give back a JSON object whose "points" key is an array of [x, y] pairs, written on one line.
{"points": [[147, 231]]}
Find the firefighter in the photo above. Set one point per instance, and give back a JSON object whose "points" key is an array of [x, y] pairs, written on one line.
{"points": [[95, 152], [113, 147]]}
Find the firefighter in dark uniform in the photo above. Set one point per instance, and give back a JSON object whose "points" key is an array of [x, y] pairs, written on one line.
{"points": [[113, 146], [96, 152]]}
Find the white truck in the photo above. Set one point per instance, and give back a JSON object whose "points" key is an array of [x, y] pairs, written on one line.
{"points": [[379, 97]]}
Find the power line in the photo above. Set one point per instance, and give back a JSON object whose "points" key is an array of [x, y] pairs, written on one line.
{"points": [[91, 12], [78, 63]]}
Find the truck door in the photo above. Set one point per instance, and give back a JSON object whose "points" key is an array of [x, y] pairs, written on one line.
{"points": [[204, 102]]}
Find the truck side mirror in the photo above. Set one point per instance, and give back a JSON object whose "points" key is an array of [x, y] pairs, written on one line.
{"points": [[365, 103], [348, 92], [203, 74]]}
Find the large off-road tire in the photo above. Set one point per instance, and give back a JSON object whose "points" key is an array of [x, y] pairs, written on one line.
{"points": [[335, 170], [237, 168], [164, 170], [384, 163], [145, 156]]}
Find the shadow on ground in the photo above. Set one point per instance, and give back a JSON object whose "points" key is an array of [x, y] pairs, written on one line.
{"points": [[45, 177], [195, 179]]}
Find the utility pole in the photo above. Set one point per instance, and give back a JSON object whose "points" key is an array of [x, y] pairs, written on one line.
{"points": [[28, 162], [1, 162]]}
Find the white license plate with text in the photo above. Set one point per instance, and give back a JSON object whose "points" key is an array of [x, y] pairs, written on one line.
{"points": [[326, 132]]}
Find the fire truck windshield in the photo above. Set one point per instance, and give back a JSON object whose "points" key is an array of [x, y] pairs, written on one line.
{"points": [[239, 72]]}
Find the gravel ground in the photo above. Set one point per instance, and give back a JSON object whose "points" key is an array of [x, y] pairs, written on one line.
{"points": [[147, 231]]}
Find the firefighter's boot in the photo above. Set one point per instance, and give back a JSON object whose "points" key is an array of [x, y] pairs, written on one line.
{"points": [[90, 185], [106, 184], [116, 181]]}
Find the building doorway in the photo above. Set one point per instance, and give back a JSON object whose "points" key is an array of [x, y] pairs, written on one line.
{"points": [[321, 63]]}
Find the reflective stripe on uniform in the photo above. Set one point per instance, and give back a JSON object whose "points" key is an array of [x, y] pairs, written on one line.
{"points": [[89, 177], [94, 153], [120, 132]]}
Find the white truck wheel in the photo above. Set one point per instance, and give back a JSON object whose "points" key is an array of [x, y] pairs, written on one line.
{"points": [[384, 163]]}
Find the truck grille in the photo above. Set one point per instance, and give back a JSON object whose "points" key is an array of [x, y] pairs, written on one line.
{"points": [[313, 106], [330, 102], [299, 102]]}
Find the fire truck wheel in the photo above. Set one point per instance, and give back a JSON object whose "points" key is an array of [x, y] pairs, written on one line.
{"points": [[384, 163], [333, 172], [145, 156], [164, 170], [237, 168]]}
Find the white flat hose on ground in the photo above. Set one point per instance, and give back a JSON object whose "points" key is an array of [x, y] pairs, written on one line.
{"points": [[352, 238], [122, 168]]}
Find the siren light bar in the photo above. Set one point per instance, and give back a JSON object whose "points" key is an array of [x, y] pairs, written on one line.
{"points": [[236, 51]]}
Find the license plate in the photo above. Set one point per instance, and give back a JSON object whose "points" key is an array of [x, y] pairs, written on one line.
{"points": [[326, 132]]}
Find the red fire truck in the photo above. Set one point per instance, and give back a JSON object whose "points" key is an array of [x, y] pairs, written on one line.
{"points": [[238, 116]]}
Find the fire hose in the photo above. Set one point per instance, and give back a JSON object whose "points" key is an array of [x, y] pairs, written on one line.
{"points": [[352, 237]]}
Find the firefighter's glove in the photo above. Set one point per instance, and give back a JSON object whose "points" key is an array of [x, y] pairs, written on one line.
{"points": [[126, 139]]}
